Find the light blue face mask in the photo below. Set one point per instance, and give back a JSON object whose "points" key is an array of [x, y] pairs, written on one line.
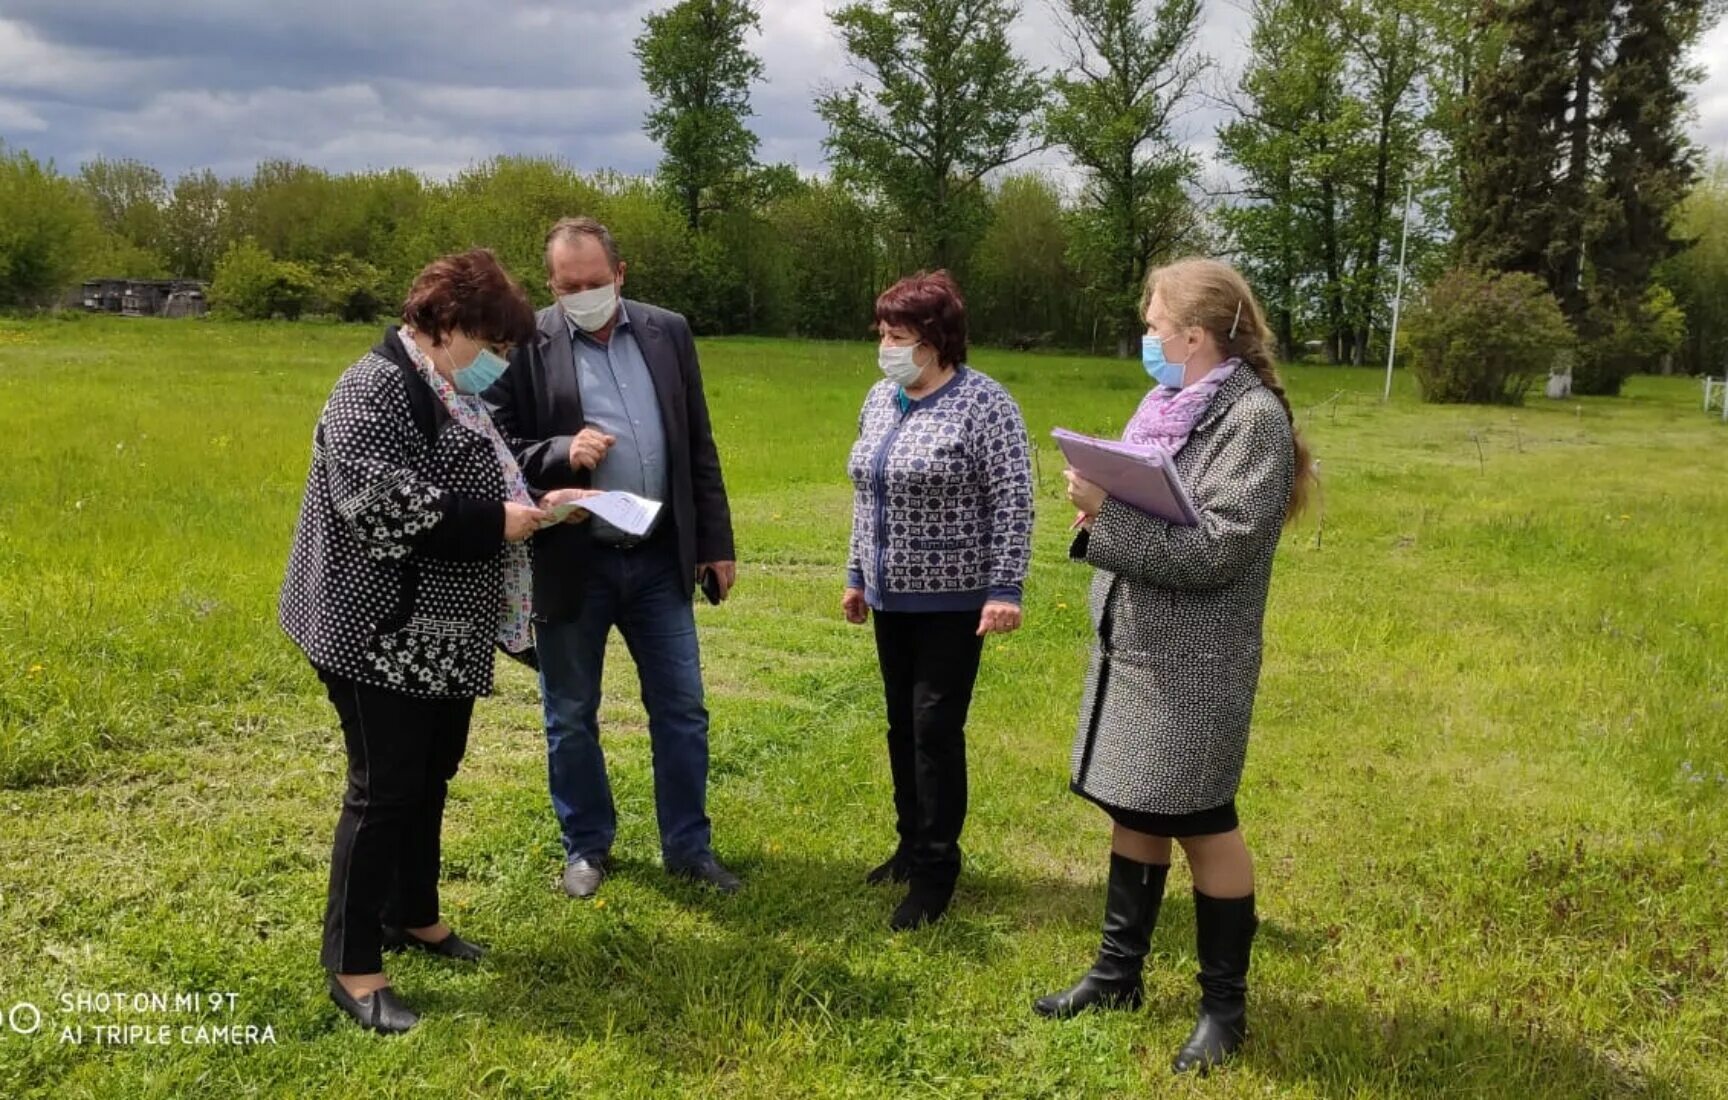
{"points": [[1162, 371], [478, 376]]}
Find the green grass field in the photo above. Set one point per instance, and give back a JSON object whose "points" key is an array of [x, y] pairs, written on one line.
{"points": [[1487, 792]]}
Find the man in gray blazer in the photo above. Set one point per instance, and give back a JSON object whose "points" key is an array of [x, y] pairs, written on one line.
{"points": [[609, 396]]}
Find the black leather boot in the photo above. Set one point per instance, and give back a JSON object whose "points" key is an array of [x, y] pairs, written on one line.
{"points": [[1223, 935], [926, 900], [897, 869], [1131, 903]]}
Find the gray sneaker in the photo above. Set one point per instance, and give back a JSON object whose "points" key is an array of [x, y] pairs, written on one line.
{"points": [[583, 876]]}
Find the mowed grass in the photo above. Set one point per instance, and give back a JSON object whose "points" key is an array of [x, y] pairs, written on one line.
{"points": [[1487, 789]]}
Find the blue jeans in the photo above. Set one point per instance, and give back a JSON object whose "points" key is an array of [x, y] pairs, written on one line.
{"points": [[640, 592]]}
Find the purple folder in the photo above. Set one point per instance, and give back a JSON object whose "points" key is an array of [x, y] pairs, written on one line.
{"points": [[1143, 476]]}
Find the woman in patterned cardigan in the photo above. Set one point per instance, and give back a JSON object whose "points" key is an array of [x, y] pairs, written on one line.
{"points": [[941, 539], [1178, 613], [409, 566]]}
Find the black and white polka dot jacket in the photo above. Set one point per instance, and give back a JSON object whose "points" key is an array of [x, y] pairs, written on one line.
{"points": [[395, 578]]}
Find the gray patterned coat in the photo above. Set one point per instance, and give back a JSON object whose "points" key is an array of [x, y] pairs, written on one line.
{"points": [[1178, 611]]}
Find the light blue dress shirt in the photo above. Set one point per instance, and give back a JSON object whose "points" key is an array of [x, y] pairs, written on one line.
{"points": [[618, 398]]}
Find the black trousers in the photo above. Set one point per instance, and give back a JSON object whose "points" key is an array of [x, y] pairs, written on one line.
{"points": [[402, 752], [929, 665]]}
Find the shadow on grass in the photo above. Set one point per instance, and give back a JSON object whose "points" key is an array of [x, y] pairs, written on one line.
{"points": [[828, 901], [1340, 1049]]}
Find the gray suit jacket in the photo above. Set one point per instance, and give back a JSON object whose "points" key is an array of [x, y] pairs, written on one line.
{"points": [[538, 408]]}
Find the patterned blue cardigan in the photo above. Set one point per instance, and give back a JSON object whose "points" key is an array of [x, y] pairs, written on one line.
{"points": [[942, 497]]}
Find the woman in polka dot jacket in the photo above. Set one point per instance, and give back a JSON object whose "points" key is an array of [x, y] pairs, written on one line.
{"points": [[1178, 612], [409, 566], [941, 539]]}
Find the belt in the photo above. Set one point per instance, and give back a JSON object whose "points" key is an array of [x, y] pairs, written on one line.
{"points": [[633, 542]]}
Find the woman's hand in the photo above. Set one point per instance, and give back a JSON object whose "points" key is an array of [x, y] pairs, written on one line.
{"points": [[852, 603], [999, 618], [521, 521], [567, 496], [1084, 495]]}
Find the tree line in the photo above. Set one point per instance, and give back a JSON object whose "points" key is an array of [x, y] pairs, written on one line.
{"points": [[1543, 137]]}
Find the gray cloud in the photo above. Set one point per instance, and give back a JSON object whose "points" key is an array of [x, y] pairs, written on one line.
{"points": [[436, 85]]}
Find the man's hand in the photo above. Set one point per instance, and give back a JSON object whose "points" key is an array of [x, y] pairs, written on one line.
{"points": [[999, 618], [852, 603], [726, 572], [588, 448]]}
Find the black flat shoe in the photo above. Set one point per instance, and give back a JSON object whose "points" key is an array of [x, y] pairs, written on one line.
{"points": [[381, 1010], [450, 947]]}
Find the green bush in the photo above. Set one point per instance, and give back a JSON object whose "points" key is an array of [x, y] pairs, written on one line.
{"points": [[1484, 338], [252, 285], [352, 290]]}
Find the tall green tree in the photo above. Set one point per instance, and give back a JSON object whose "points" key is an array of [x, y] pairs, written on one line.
{"points": [[1577, 159], [834, 260], [699, 72], [193, 225], [946, 102], [1648, 166], [128, 197], [1131, 67], [1698, 274], [1022, 290], [1388, 51], [1516, 140], [1290, 139], [47, 227]]}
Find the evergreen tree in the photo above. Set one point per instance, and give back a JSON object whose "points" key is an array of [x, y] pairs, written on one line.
{"points": [[1648, 166]]}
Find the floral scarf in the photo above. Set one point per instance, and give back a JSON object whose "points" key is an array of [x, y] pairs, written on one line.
{"points": [[1166, 417], [469, 411]]}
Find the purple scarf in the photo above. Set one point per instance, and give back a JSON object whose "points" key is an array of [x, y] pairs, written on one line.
{"points": [[1166, 417]]}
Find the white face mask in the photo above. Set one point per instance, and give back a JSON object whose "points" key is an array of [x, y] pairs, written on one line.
{"points": [[591, 309], [899, 365]]}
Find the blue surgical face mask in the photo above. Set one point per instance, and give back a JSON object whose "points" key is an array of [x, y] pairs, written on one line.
{"points": [[1163, 372], [478, 376]]}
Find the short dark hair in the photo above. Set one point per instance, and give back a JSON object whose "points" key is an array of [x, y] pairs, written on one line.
{"points": [[928, 303], [472, 292], [566, 229]]}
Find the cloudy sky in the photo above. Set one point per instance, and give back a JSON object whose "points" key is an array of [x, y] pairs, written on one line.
{"points": [[438, 84]]}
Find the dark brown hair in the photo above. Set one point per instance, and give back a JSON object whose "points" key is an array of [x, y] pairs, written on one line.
{"points": [[1212, 295], [471, 292], [568, 229], [928, 303]]}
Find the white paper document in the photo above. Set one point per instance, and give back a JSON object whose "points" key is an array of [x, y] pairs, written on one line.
{"points": [[628, 512]]}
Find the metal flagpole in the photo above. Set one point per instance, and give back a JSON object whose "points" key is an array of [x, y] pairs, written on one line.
{"points": [[1398, 299]]}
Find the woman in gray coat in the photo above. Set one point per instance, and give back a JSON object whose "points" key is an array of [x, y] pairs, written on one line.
{"points": [[1178, 611]]}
